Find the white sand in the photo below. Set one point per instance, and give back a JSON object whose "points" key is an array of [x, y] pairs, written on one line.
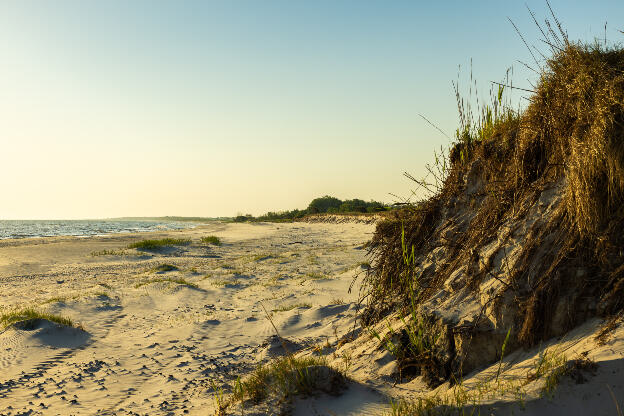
{"points": [[155, 349]]}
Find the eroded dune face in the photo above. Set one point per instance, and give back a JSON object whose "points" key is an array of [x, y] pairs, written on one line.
{"points": [[154, 338]]}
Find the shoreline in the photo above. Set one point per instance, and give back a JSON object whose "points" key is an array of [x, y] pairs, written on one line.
{"points": [[184, 225]]}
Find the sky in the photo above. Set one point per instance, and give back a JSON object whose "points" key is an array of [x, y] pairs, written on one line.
{"points": [[214, 108]]}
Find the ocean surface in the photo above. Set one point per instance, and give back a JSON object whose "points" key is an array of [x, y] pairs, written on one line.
{"points": [[50, 228]]}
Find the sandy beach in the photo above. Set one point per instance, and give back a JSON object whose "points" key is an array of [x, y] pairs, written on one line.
{"points": [[150, 341], [153, 346]]}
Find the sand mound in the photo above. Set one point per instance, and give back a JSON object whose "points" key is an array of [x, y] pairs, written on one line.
{"points": [[46, 333], [522, 242]]}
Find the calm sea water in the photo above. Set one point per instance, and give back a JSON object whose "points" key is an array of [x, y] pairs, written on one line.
{"points": [[49, 228]]}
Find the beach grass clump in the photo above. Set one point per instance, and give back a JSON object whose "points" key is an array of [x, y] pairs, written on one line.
{"points": [[221, 282], [211, 239], [162, 268], [316, 276], [29, 317], [285, 378], [179, 281], [286, 308], [56, 299], [109, 253], [158, 244], [460, 399]]}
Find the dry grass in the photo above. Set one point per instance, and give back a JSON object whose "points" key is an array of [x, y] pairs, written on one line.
{"points": [[570, 139]]}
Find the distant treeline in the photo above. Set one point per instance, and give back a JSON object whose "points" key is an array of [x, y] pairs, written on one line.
{"points": [[322, 205]]}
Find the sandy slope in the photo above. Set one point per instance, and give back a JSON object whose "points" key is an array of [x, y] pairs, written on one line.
{"points": [[154, 349]]}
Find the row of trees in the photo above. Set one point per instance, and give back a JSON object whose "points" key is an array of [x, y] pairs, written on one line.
{"points": [[322, 205]]}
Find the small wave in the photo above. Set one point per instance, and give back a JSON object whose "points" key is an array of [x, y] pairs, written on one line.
{"points": [[80, 228]]}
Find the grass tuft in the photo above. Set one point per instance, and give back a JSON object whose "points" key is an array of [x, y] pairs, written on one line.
{"points": [[31, 315], [168, 280], [158, 244], [109, 253], [285, 377], [285, 308], [164, 268], [211, 239]]}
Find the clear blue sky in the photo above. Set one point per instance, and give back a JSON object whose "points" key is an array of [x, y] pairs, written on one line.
{"points": [[207, 108]]}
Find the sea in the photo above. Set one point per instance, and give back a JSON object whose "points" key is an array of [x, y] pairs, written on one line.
{"points": [[51, 228]]}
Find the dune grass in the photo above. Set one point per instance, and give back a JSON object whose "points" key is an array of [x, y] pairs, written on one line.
{"points": [[164, 268], [157, 244], [287, 376], [109, 253], [169, 280], [211, 239], [550, 367], [285, 308], [30, 314], [316, 276], [222, 282]]}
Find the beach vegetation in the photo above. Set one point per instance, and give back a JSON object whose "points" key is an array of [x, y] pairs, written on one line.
{"points": [[109, 253], [564, 148], [162, 268], [29, 317], [316, 276], [178, 281], [283, 378], [221, 282], [285, 308], [158, 244], [548, 369], [211, 239], [322, 205], [263, 256]]}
